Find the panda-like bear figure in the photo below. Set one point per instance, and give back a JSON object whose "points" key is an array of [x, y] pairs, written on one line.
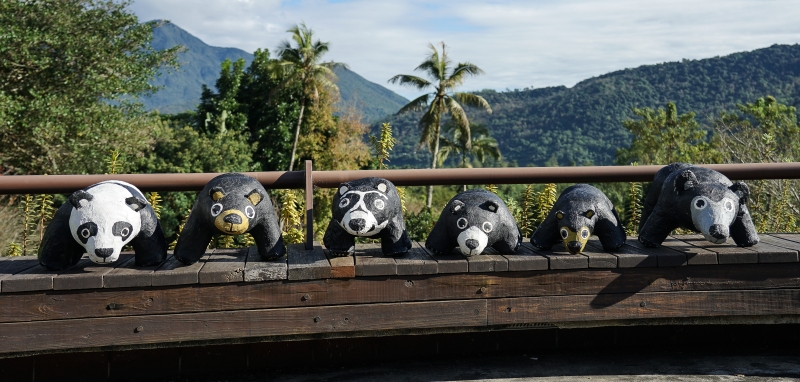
{"points": [[580, 211], [698, 199], [367, 207], [472, 221], [99, 220], [231, 204]]}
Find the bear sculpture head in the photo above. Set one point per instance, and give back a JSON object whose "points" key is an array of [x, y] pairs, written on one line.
{"points": [[713, 205]]}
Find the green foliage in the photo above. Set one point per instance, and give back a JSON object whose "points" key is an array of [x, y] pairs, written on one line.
{"points": [[14, 249], [173, 243], [113, 162], [29, 215], [663, 137], [70, 69], [155, 201], [420, 224], [479, 146], [291, 216], [633, 208], [383, 146], [220, 111], [526, 215], [545, 201]]}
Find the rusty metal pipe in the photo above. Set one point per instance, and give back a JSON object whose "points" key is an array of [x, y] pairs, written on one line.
{"points": [[36, 184]]}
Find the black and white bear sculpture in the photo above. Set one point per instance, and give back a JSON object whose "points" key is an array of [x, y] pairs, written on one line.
{"points": [[231, 204], [698, 199], [368, 207], [580, 211], [472, 221], [99, 220]]}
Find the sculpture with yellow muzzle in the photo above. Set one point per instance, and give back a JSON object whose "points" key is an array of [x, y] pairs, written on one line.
{"points": [[580, 211]]}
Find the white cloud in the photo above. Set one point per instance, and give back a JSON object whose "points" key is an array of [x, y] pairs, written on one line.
{"points": [[518, 43]]}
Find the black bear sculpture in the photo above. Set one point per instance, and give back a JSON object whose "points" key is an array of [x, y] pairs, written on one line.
{"points": [[99, 220], [473, 221], [231, 204], [698, 199], [580, 211], [368, 207]]}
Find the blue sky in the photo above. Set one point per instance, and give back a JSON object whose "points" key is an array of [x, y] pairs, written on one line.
{"points": [[517, 43]]}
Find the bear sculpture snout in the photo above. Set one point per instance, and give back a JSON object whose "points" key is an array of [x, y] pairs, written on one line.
{"points": [[357, 224], [718, 231], [472, 243], [574, 247], [103, 252], [233, 219]]}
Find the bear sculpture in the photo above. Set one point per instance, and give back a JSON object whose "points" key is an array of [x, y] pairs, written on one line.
{"points": [[580, 211], [368, 207], [698, 199], [231, 204], [99, 220], [472, 221]]}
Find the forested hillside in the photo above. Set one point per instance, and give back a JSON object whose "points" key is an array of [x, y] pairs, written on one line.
{"points": [[582, 125], [200, 64]]}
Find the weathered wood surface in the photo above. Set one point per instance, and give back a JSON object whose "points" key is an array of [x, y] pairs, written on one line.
{"points": [[141, 330], [244, 265]]}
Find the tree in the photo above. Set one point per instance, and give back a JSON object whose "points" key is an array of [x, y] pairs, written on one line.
{"points": [[302, 64], [479, 146], [70, 72], [221, 111], [662, 137], [443, 100]]}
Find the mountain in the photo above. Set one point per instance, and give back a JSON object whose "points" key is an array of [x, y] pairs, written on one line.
{"points": [[200, 64], [583, 124]]}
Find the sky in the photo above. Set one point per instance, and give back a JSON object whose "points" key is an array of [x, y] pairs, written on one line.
{"points": [[518, 44]]}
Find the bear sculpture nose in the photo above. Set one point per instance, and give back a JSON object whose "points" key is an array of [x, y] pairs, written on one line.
{"points": [[233, 219], [574, 246], [103, 252], [471, 243], [357, 224], [718, 231]]}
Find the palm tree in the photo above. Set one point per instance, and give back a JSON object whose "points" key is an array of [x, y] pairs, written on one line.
{"points": [[301, 63], [479, 146], [444, 100]]}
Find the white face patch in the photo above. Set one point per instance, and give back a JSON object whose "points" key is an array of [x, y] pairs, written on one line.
{"points": [[707, 214], [106, 223], [359, 219], [472, 241]]}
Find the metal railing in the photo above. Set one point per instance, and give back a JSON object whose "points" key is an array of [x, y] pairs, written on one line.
{"points": [[307, 179]]}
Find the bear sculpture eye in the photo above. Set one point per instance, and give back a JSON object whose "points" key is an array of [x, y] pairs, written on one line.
{"points": [[344, 202], [564, 233], [86, 230], [584, 233], [216, 209], [122, 229], [728, 205], [700, 204], [462, 223], [487, 227], [379, 204], [250, 212], [86, 233]]}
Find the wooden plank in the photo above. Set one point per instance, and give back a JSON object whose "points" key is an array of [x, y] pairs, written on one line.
{"points": [[258, 269], [86, 274], [371, 262], [526, 259], [505, 311], [174, 272], [225, 265], [792, 246], [629, 256], [559, 258], [97, 332], [342, 267], [598, 257], [621, 282], [795, 237], [307, 264], [671, 253], [727, 253], [416, 262], [31, 279], [488, 261], [11, 265], [768, 253], [128, 274], [448, 263]]}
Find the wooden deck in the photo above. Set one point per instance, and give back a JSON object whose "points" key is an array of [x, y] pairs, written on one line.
{"points": [[231, 295]]}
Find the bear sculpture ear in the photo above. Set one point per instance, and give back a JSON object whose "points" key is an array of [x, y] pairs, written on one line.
{"points": [[77, 196], [589, 214], [686, 180], [382, 187], [741, 190], [255, 197], [135, 203], [559, 215], [343, 189], [216, 193], [456, 206], [491, 206]]}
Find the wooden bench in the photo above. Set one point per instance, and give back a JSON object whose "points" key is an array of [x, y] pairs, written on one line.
{"points": [[231, 295]]}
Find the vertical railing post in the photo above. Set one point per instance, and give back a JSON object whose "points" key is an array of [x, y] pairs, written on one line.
{"points": [[309, 206]]}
